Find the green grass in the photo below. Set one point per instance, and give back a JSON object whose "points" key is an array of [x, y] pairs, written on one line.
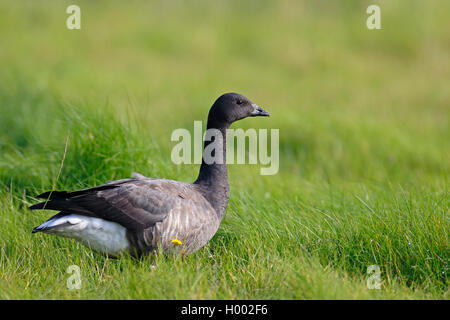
{"points": [[364, 140]]}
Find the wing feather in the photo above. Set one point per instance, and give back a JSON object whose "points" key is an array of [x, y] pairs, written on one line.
{"points": [[136, 204]]}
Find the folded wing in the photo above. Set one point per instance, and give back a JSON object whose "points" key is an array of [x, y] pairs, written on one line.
{"points": [[136, 204]]}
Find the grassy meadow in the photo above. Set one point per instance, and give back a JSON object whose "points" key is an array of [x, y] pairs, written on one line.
{"points": [[363, 117]]}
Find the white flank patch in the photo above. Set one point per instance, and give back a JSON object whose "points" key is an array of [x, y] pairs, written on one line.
{"points": [[103, 236]]}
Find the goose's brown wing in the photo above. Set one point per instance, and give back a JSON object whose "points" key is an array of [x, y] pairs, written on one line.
{"points": [[134, 204]]}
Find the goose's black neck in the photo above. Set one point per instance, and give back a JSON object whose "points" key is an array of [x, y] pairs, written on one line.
{"points": [[213, 177]]}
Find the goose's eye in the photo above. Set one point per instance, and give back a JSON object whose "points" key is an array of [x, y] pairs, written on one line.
{"points": [[239, 101]]}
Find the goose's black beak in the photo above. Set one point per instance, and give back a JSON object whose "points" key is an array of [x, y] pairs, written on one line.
{"points": [[259, 112]]}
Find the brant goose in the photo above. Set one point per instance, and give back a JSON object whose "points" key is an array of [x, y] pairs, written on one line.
{"points": [[141, 215]]}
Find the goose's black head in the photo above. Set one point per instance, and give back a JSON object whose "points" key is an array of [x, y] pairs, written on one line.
{"points": [[231, 107]]}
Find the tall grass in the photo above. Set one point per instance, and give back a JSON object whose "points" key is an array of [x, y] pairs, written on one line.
{"points": [[363, 118]]}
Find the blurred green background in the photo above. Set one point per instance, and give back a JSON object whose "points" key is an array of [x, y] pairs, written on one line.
{"points": [[364, 139]]}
